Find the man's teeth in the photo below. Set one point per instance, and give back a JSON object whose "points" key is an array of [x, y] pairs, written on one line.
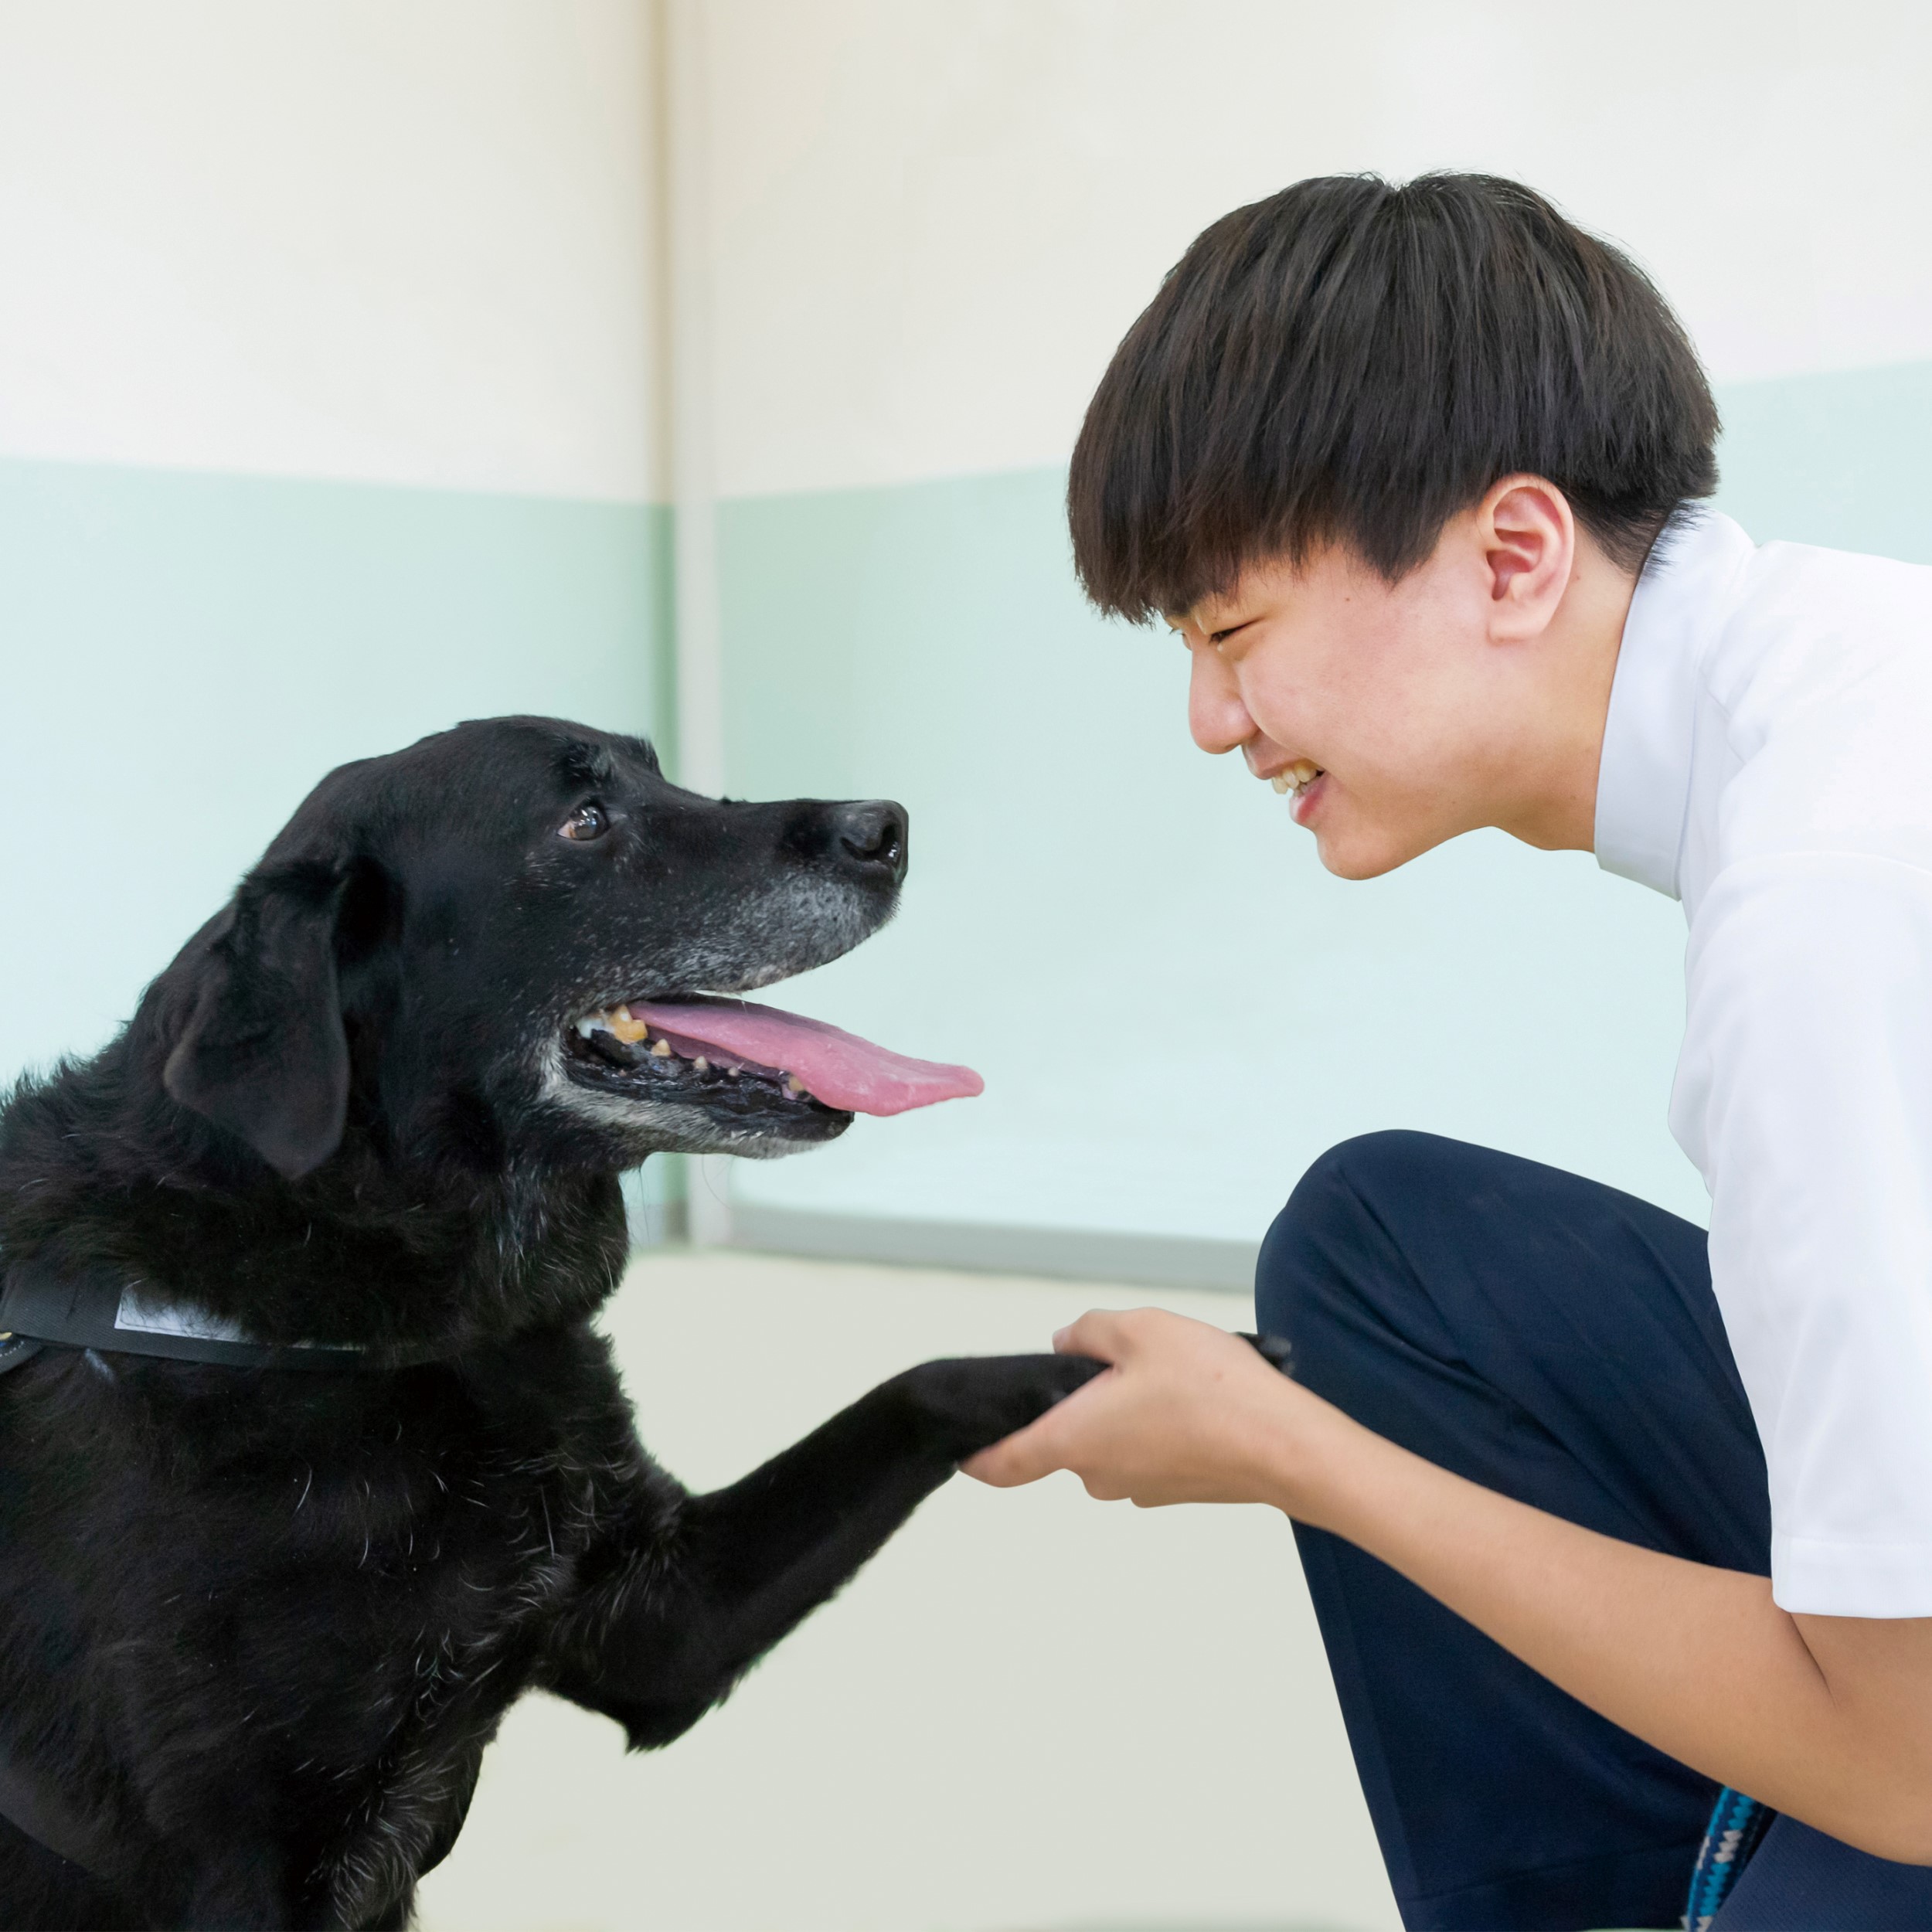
{"points": [[617, 1020], [1298, 778]]}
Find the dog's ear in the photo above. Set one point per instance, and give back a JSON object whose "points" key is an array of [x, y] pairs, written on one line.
{"points": [[263, 1053]]}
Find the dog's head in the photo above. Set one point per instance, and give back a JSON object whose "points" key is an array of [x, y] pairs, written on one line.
{"points": [[448, 949]]}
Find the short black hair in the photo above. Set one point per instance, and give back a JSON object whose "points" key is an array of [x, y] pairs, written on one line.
{"points": [[1355, 361]]}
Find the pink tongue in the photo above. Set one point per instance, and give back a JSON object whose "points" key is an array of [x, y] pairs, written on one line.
{"points": [[837, 1068]]}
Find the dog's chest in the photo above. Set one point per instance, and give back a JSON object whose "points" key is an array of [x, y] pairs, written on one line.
{"points": [[432, 1549], [455, 1603], [454, 1597], [336, 1599]]}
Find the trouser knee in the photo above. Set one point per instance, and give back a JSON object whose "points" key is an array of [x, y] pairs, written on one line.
{"points": [[1322, 1225], [1332, 1265]]}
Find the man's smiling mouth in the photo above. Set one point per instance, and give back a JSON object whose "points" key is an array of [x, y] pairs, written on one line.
{"points": [[1297, 777]]}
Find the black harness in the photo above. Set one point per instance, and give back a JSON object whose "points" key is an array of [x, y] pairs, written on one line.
{"points": [[100, 1310]]}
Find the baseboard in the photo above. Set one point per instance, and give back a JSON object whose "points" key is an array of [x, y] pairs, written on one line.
{"points": [[1152, 1260]]}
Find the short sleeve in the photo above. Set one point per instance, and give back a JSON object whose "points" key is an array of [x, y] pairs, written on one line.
{"points": [[1804, 1094]]}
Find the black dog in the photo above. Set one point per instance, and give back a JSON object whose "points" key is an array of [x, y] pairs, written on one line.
{"points": [[258, 1623]]}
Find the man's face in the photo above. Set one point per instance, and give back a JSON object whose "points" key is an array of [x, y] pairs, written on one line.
{"points": [[1378, 703]]}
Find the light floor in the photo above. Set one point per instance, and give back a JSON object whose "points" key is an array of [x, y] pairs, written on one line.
{"points": [[1032, 1713]]}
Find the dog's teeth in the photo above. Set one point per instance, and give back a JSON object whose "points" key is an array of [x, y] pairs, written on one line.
{"points": [[700, 1065], [660, 1049], [794, 1085], [731, 1072], [628, 1030], [585, 1027]]}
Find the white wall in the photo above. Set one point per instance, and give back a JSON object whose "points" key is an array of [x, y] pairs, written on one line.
{"points": [[406, 244], [933, 221], [328, 361]]}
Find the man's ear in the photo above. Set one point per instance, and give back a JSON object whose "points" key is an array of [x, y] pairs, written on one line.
{"points": [[264, 1054], [1528, 535]]}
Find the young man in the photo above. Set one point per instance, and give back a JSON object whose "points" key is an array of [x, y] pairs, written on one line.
{"points": [[1598, 1517]]}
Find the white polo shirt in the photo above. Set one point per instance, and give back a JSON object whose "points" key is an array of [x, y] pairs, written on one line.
{"points": [[1768, 761]]}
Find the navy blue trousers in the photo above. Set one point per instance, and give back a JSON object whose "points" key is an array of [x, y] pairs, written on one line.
{"points": [[1558, 1342]]}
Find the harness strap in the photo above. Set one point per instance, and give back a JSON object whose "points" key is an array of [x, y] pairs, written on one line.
{"points": [[30, 1804], [94, 1308], [98, 1307], [17, 1348]]}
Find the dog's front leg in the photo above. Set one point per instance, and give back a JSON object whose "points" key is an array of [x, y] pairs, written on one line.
{"points": [[680, 1614]]}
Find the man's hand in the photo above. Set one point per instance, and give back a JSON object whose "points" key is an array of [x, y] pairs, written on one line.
{"points": [[1187, 1413], [1827, 1718]]}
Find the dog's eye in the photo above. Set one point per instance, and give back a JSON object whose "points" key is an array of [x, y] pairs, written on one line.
{"points": [[587, 822]]}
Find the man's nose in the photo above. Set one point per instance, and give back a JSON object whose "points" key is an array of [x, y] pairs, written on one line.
{"points": [[1215, 714]]}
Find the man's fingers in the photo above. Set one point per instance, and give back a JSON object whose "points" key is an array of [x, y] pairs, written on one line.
{"points": [[1023, 1456], [1037, 1450], [1105, 1335], [1101, 1332]]}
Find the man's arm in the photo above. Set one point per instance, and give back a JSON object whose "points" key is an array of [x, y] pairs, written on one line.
{"points": [[1827, 1718]]}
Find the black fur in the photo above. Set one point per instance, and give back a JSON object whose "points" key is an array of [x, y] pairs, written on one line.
{"points": [[257, 1626]]}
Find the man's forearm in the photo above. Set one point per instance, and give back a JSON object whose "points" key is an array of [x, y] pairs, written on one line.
{"points": [[1829, 1719]]}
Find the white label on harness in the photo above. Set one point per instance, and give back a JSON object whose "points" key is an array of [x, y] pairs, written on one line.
{"points": [[169, 1318]]}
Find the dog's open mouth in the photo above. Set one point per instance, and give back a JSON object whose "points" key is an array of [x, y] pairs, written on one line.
{"points": [[713, 1051]]}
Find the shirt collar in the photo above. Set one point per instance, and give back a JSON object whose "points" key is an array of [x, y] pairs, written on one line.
{"points": [[1685, 592]]}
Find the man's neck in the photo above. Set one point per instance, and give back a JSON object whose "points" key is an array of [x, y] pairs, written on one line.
{"points": [[1557, 809]]}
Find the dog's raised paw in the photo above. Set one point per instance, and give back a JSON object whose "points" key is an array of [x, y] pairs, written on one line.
{"points": [[967, 1404]]}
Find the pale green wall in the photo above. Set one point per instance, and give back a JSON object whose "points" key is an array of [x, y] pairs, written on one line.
{"points": [[183, 655], [1175, 1009], [1838, 459]]}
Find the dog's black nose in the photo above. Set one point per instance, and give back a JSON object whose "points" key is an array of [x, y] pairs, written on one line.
{"points": [[873, 834]]}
